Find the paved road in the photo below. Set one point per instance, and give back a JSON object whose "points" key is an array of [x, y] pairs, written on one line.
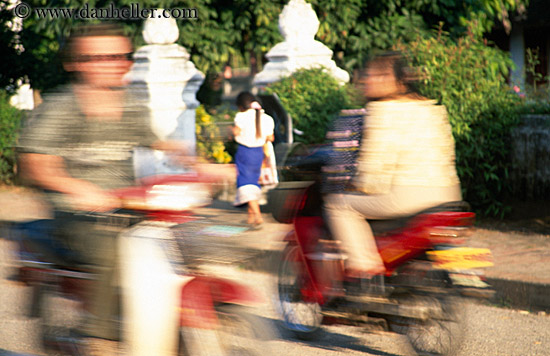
{"points": [[492, 331], [509, 334]]}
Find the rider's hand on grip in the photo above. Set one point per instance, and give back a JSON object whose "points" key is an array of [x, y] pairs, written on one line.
{"points": [[93, 199]]}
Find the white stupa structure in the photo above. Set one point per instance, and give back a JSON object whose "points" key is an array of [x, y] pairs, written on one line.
{"points": [[166, 79], [298, 24]]}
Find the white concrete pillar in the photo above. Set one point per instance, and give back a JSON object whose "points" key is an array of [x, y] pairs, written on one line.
{"points": [[298, 24], [164, 77]]}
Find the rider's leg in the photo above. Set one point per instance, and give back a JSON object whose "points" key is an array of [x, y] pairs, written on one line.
{"points": [[347, 214], [96, 246], [348, 225], [104, 297]]}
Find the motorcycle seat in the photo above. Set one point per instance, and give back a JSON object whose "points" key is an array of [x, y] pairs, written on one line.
{"points": [[37, 237], [383, 227]]}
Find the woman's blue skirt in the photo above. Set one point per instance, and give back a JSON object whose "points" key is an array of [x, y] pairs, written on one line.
{"points": [[249, 165]]}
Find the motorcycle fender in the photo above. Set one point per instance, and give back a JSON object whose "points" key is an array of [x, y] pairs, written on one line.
{"points": [[197, 306], [201, 294]]}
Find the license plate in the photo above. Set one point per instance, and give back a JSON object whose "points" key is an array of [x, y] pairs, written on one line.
{"points": [[461, 258], [467, 280]]}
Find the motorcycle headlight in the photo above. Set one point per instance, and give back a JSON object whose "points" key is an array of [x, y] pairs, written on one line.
{"points": [[177, 197]]}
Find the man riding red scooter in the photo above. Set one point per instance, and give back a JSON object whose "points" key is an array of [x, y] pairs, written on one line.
{"points": [[77, 147]]}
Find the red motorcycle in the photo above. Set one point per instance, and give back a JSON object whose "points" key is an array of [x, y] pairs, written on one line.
{"points": [[428, 270], [170, 307]]}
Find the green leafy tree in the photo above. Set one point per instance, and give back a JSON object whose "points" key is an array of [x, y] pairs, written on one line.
{"points": [[10, 67], [223, 31], [364, 26], [10, 120], [241, 31]]}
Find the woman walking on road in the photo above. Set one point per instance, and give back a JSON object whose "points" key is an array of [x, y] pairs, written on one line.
{"points": [[253, 128]]}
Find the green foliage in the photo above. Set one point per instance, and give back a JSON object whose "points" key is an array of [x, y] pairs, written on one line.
{"points": [[228, 31], [469, 78], [364, 26], [210, 145], [313, 98], [242, 31], [10, 120], [224, 31], [535, 103], [10, 67]]}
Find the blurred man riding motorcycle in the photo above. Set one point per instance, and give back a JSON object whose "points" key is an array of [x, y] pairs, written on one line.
{"points": [[77, 145]]}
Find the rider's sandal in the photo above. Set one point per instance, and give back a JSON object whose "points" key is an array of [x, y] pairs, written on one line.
{"points": [[363, 283]]}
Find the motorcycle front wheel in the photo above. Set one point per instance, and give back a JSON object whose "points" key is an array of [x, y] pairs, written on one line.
{"points": [[239, 332], [302, 318]]}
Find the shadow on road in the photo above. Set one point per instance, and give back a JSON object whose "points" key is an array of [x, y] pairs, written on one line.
{"points": [[328, 340]]}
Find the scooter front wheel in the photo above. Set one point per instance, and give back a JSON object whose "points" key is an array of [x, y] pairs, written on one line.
{"points": [[302, 318]]}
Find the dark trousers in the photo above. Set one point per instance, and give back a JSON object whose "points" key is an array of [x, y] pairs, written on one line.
{"points": [[94, 243]]}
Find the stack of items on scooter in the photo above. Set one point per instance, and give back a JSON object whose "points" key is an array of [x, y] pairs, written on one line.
{"points": [[344, 136]]}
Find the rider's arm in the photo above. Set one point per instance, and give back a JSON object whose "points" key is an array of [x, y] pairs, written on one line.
{"points": [[171, 146], [48, 172], [178, 151]]}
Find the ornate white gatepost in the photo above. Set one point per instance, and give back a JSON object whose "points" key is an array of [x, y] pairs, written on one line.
{"points": [[167, 80], [298, 24]]}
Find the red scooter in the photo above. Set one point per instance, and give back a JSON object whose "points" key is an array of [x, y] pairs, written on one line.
{"points": [[429, 272], [168, 306]]}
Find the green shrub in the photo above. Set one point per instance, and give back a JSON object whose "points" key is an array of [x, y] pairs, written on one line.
{"points": [[469, 78], [535, 107], [10, 120], [210, 144], [313, 98]]}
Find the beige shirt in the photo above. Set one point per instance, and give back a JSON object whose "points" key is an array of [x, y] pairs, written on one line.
{"points": [[407, 144]]}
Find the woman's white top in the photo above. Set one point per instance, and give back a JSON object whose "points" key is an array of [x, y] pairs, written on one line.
{"points": [[246, 121]]}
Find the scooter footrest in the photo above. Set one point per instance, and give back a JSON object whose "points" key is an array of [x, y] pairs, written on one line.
{"points": [[390, 307], [478, 293]]}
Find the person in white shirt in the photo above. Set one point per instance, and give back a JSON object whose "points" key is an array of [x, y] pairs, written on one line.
{"points": [[253, 128]]}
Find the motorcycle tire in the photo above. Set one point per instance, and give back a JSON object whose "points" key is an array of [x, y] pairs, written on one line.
{"points": [[302, 318], [442, 334], [240, 332]]}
